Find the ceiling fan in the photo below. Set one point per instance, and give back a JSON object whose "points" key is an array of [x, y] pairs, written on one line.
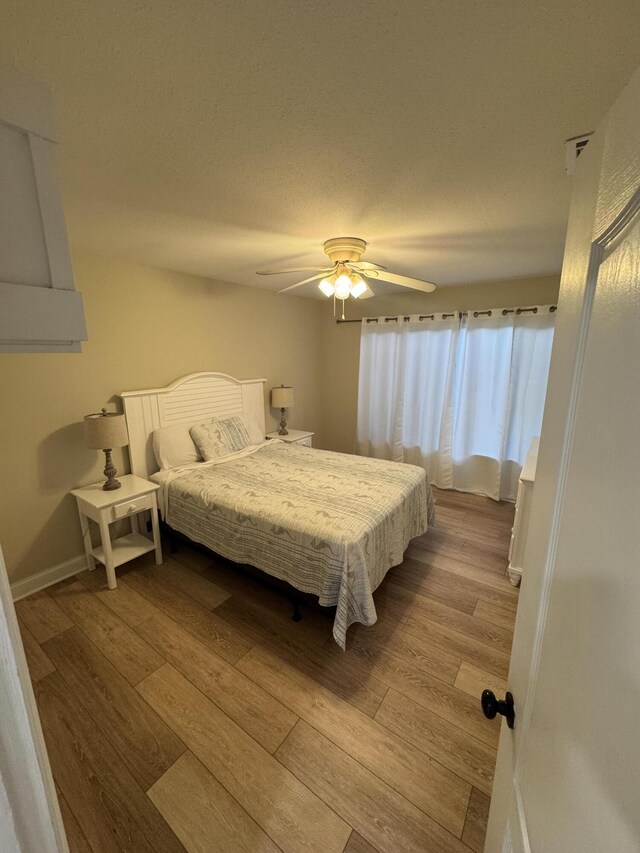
{"points": [[348, 275]]}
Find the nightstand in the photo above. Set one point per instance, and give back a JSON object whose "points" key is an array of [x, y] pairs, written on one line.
{"points": [[295, 436], [135, 495]]}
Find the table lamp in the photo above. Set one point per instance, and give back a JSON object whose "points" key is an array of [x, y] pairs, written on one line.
{"points": [[282, 398], [104, 431]]}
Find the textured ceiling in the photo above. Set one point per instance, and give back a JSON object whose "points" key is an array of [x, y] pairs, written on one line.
{"points": [[223, 137]]}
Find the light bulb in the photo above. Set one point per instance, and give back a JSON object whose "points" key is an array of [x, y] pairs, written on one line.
{"points": [[327, 287], [358, 287], [343, 286]]}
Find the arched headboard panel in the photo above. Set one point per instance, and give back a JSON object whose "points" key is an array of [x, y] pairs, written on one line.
{"points": [[191, 399]]}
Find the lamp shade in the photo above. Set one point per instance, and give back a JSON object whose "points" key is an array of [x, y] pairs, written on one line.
{"points": [[105, 430], [282, 397]]}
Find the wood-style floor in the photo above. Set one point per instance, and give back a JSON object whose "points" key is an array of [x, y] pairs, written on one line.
{"points": [[186, 710]]}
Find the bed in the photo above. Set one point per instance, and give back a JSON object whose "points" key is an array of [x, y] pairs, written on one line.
{"points": [[327, 523]]}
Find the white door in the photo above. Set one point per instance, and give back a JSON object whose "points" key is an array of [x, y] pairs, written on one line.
{"points": [[568, 774]]}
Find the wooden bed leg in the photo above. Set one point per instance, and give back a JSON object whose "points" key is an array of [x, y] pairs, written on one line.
{"points": [[297, 616]]}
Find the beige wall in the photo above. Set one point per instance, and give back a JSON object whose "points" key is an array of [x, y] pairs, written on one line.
{"points": [[146, 327], [149, 326], [341, 343]]}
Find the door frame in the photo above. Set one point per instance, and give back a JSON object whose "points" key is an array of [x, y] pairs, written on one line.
{"points": [[30, 817]]}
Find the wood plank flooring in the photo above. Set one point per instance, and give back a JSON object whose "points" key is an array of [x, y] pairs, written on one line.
{"points": [[187, 711]]}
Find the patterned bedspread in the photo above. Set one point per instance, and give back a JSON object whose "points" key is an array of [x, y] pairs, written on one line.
{"points": [[328, 523]]}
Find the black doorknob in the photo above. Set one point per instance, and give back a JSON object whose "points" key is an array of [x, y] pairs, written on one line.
{"points": [[492, 706]]}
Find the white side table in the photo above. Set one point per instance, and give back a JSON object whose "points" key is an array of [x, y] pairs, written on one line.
{"points": [[135, 495], [295, 436]]}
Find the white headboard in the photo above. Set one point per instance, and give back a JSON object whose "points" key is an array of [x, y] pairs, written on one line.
{"points": [[191, 399]]}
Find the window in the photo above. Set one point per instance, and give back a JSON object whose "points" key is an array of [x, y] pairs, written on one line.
{"points": [[461, 399]]}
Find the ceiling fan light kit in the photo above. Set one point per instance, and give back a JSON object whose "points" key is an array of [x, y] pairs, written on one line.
{"points": [[327, 287], [359, 288], [343, 284], [348, 275]]}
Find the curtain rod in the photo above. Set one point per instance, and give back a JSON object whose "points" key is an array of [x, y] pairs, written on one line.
{"points": [[461, 314]]}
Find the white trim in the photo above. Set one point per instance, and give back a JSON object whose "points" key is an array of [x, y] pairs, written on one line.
{"points": [[28, 796], [55, 315], [41, 312], [184, 379], [45, 170], [34, 583], [507, 846], [523, 837]]}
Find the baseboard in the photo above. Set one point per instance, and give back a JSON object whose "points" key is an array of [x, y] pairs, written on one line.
{"points": [[34, 583]]}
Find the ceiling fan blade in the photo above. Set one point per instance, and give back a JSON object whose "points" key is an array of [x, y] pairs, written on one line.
{"points": [[302, 269], [402, 280], [366, 265], [305, 281]]}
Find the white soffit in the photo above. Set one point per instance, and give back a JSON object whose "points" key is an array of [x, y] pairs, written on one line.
{"points": [[221, 138]]}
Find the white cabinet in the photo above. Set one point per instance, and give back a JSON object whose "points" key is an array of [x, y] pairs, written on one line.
{"points": [[40, 310], [521, 519]]}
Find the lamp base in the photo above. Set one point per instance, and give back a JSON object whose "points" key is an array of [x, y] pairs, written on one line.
{"points": [[110, 473], [283, 424]]}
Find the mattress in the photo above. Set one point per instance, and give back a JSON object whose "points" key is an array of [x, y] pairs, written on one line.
{"points": [[328, 523]]}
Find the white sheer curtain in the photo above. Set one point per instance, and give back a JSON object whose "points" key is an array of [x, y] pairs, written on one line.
{"points": [[531, 355], [426, 429], [399, 365], [462, 401], [481, 394], [381, 389]]}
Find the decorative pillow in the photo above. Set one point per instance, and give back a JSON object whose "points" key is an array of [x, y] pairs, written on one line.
{"points": [[173, 446], [220, 437], [256, 434]]}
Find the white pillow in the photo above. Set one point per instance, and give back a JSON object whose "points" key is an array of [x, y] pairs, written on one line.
{"points": [[173, 446], [256, 434], [220, 437]]}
